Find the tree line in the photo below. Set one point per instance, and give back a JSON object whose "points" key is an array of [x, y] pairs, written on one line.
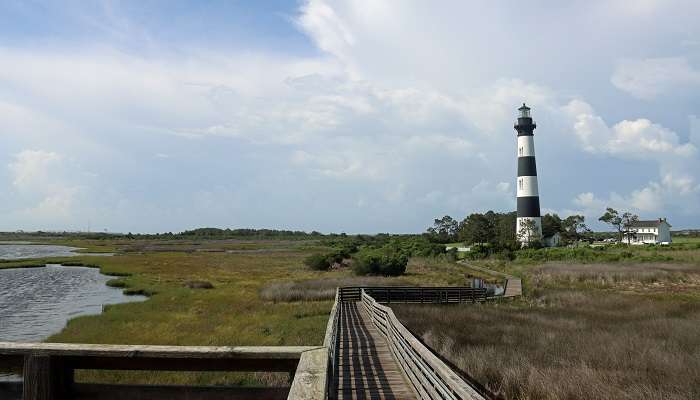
{"points": [[499, 229]]}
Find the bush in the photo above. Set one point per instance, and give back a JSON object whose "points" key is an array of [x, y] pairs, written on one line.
{"points": [[479, 251], [318, 262], [451, 254], [199, 285], [384, 262]]}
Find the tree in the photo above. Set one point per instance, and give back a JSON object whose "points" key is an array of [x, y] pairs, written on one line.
{"points": [[476, 228], [551, 224], [628, 219], [527, 234], [573, 228], [621, 223], [444, 230], [612, 218]]}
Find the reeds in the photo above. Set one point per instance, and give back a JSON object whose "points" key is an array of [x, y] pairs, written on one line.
{"points": [[320, 289]]}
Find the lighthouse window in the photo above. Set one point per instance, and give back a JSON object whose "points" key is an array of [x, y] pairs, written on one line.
{"points": [[520, 150], [520, 184]]}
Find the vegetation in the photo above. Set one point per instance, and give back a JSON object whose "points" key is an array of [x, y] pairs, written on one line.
{"points": [[385, 262], [570, 344], [320, 289], [318, 262], [263, 294], [620, 324], [621, 222]]}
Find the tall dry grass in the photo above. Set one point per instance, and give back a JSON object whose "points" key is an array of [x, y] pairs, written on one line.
{"points": [[571, 344], [321, 289], [614, 275]]}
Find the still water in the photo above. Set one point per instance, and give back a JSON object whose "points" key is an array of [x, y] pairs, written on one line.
{"points": [[37, 302], [19, 250]]}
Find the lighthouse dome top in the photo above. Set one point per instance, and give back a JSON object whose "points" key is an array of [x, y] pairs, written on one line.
{"points": [[524, 111]]}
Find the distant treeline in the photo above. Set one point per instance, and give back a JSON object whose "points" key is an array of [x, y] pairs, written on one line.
{"points": [[199, 233], [498, 230]]}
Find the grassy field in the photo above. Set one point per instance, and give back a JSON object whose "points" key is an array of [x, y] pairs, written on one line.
{"points": [[253, 301], [622, 330], [619, 327]]}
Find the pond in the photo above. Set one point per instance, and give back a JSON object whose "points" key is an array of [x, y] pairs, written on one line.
{"points": [[24, 250], [38, 302]]}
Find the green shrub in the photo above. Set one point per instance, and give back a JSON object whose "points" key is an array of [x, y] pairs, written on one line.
{"points": [[318, 262], [451, 254], [479, 251], [385, 261]]}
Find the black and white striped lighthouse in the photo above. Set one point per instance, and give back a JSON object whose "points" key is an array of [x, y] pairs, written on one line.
{"points": [[529, 222]]}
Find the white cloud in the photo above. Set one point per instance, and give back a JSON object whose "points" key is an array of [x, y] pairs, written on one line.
{"points": [[628, 139], [32, 169], [652, 77], [39, 176]]}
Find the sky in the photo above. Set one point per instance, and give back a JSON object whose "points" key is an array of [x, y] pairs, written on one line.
{"points": [[358, 116]]}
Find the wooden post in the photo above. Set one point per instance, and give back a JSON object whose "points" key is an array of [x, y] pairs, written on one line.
{"points": [[37, 378], [45, 378]]}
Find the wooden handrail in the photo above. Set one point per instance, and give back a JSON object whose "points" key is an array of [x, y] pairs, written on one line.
{"points": [[330, 342], [430, 377], [415, 294], [47, 368]]}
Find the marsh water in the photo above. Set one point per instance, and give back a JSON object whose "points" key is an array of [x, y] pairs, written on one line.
{"points": [[20, 250], [38, 302]]}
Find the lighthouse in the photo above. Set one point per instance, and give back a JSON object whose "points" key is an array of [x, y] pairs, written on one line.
{"points": [[529, 222]]}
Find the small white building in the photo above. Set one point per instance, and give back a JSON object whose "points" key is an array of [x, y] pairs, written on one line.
{"points": [[552, 240], [656, 231]]}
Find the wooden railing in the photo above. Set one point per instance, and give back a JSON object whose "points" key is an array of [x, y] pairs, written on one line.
{"points": [[47, 370], [430, 377], [330, 343], [414, 294]]}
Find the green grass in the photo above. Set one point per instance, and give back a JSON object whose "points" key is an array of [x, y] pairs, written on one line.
{"points": [[232, 313]]}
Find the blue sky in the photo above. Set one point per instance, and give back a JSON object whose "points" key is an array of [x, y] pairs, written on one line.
{"points": [[355, 116]]}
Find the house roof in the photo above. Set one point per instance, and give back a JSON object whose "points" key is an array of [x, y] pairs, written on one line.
{"points": [[648, 223]]}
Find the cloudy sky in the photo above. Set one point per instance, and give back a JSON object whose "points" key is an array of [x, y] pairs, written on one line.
{"points": [[357, 116]]}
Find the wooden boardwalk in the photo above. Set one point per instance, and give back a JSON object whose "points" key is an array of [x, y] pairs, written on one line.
{"points": [[366, 368]]}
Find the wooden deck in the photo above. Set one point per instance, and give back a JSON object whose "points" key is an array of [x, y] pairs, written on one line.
{"points": [[366, 368]]}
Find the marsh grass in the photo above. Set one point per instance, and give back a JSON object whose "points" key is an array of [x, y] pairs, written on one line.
{"points": [[619, 275], [570, 344], [320, 289]]}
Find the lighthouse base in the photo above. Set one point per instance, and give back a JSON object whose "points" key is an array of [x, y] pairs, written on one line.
{"points": [[528, 229]]}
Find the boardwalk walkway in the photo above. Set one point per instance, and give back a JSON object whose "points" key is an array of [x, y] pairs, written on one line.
{"points": [[514, 285], [366, 369]]}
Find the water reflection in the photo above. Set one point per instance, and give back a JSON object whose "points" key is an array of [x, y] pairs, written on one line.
{"points": [[18, 250], [37, 302]]}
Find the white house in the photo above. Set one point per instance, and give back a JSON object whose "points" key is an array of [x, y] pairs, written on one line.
{"points": [[648, 232]]}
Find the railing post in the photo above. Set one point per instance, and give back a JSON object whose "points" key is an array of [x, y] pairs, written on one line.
{"points": [[45, 378]]}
